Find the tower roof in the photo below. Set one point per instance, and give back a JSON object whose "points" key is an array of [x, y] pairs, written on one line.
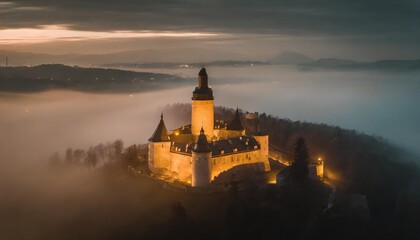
{"points": [[202, 146], [202, 72], [161, 133], [236, 123], [203, 91]]}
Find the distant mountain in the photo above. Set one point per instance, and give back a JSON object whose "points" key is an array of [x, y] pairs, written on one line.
{"points": [[57, 76], [383, 65], [290, 58], [328, 63], [228, 63], [133, 56]]}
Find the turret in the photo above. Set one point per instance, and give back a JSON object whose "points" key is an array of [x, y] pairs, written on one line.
{"points": [[263, 139], [161, 133], [202, 91], [236, 123], [202, 112], [158, 148], [201, 162]]}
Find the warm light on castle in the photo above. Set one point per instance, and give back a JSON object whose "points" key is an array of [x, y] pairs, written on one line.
{"points": [[199, 152]]}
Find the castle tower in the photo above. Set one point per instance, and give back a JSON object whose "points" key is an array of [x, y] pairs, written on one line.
{"points": [[202, 114], [201, 162], [159, 148], [262, 139]]}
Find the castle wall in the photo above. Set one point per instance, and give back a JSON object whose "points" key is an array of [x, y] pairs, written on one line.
{"points": [[226, 134], [181, 166], [202, 115], [223, 163], [263, 141], [201, 169], [159, 159]]}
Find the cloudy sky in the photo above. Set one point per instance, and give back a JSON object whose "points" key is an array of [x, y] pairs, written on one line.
{"points": [[355, 29]]}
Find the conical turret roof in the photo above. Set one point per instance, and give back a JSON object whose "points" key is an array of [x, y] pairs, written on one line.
{"points": [[202, 72], [161, 133], [203, 91], [202, 146], [236, 123]]}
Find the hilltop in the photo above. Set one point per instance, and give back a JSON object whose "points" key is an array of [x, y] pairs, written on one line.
{"points": [[57, 76]]}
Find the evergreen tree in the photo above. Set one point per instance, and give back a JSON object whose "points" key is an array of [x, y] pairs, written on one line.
{"points": [[299, 170]]}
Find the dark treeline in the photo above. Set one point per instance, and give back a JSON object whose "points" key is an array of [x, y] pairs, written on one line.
{"points": [[57, 76], [113, 154]]}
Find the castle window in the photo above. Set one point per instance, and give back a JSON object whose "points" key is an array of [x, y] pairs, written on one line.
{"points": [[214, 162]]}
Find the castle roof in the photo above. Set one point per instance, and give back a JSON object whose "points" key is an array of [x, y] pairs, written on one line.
{"points": [[161, 133], [221, 147], [234, 145], [203, 91], [236, 123], [202, 72], [202, 146]]}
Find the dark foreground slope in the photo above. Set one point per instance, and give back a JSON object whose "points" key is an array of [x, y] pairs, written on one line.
{"points": [[57, 76]]}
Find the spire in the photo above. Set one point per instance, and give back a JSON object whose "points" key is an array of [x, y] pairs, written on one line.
{"points": [[203, 79], [202, 72], [202, 91], [236, 123], [161, 133], [202, 146]]}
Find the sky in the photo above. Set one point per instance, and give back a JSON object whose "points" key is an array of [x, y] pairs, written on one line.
{"points": [[352, 29]]}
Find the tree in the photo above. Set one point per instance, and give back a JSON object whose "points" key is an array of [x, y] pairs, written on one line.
{"points": [[91, 158], [100, 151], [118, 147], [78, 155], [69, 155], [130, 156], [299, 169]]}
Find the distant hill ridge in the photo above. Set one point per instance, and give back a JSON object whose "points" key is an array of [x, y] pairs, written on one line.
{"points": [[290, 58], [58, 76], [382, 65], [224, 63]]}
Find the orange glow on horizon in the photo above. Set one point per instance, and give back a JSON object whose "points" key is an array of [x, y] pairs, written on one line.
{"points": [[51, 33]]}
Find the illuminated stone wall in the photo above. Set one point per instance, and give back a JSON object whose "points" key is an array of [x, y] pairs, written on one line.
{"points": [[159, 159], [263, 140], [181, 166], [202, 114], [201, 169], [226, 134], [223, 163]]}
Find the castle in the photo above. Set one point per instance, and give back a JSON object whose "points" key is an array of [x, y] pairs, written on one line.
{"points": [[199, 152]]}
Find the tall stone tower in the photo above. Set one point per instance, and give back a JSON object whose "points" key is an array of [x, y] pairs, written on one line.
{"points": [[159, 145], [202, 107], [262, 139], [201, 162]]}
